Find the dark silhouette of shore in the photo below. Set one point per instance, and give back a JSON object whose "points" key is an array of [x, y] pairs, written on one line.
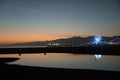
{"points": [[105, 50], [15, 72], [3, 61]]}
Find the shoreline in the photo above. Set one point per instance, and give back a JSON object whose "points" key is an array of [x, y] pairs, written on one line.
{"points": [[15, 72], [44, 73], [104, 50]]}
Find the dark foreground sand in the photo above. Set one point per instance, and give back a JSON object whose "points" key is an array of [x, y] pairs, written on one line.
{"points": [[15, 72]]}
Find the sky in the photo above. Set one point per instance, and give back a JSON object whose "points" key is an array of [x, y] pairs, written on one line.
{"points": [[41, 20]]}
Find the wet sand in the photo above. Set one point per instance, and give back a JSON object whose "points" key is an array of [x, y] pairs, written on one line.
{"points": [[15, 72]]}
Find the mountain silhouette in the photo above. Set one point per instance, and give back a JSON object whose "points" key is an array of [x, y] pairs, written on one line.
{"points": [[78, 39]]}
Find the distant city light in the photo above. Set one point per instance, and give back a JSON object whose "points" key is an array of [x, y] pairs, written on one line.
{"points": [[97, 39], [98, 56]]}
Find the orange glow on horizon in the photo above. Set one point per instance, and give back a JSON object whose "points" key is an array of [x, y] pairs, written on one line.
{"points": [[21, 39]]}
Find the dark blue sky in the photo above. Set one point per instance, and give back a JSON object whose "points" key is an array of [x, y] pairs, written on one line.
{"points": [[50, 19]]}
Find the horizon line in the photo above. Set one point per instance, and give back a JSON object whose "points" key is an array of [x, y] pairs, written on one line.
{"points": [[9, 43]]}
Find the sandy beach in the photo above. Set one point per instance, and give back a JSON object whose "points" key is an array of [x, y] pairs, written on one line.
{"points": [[15, 72]]}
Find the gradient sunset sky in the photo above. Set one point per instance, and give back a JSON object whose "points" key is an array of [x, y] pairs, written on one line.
{"points": [[40, 20]]}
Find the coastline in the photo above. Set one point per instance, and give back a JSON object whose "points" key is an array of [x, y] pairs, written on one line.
{"points": [[104, 50], [15, 72]]}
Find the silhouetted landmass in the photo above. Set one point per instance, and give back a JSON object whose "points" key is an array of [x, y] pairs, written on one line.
{"points": [[80, 40], [15, 72]]}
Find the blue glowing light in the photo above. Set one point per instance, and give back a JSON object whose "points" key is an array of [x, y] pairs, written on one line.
{"points": [[97, 39]]}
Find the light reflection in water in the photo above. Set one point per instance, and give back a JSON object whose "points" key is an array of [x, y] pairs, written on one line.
{"points": [[67, 60], [98, 56]]}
